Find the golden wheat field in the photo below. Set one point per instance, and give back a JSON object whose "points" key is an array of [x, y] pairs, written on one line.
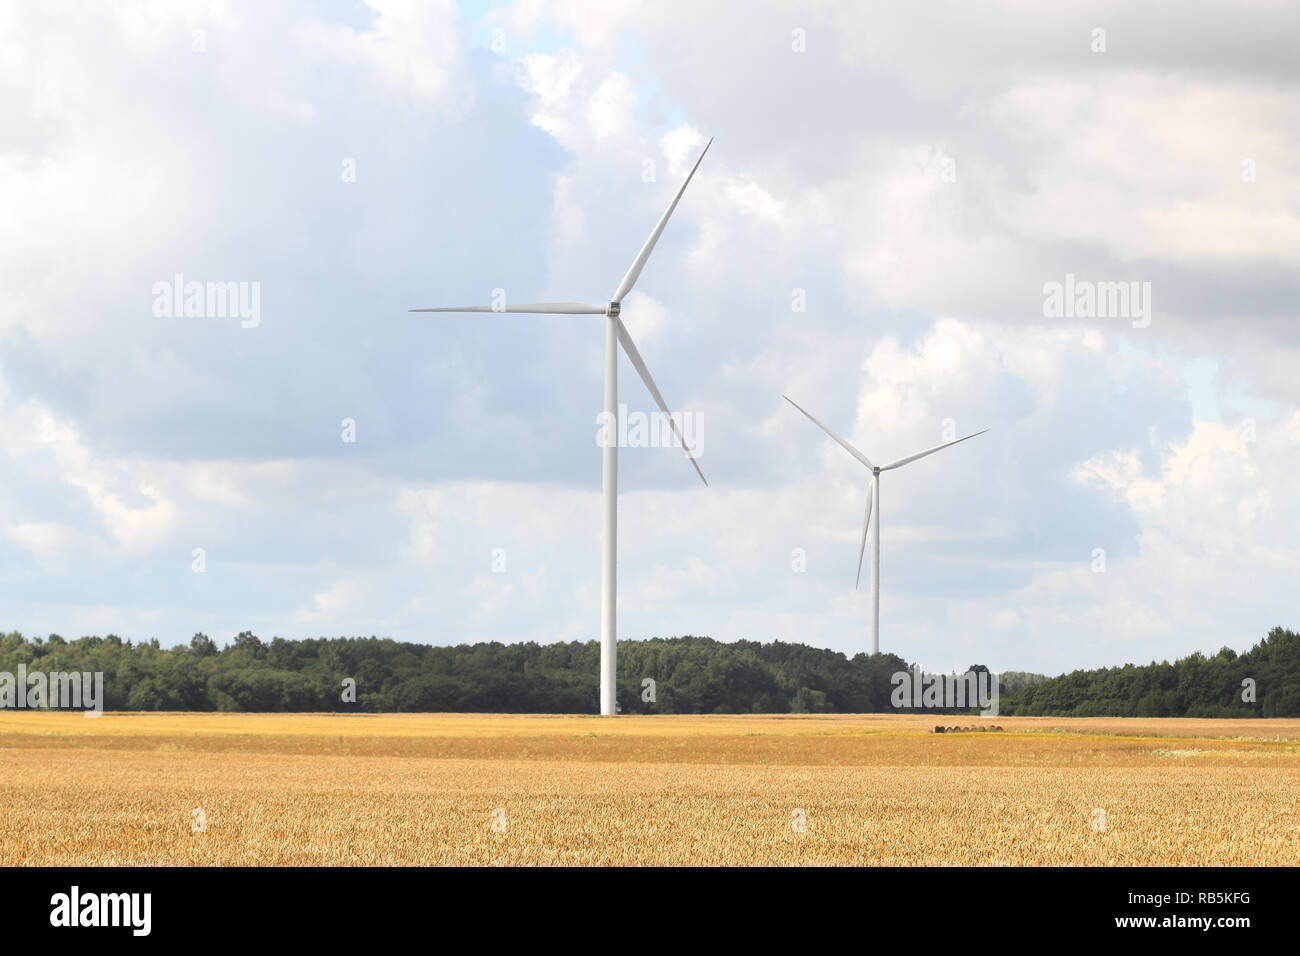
{"points": [[437, 789]]}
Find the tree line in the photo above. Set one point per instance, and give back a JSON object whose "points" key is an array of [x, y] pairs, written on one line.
{"points": [[682, 675], [1263, 682]]}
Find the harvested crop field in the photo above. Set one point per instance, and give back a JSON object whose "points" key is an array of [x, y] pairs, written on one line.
{"points": [[434, 789]]}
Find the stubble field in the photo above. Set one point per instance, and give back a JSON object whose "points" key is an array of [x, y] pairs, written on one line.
{"points": [[436, 789]]}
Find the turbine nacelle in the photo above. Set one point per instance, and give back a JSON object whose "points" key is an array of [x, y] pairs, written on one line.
{"points": [[614, 309]]}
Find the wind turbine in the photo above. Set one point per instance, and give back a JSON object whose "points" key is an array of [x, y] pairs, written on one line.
{"points": [[873, 500], [615, 334]]}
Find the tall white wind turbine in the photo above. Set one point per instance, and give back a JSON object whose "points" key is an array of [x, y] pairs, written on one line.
{"points": [[615, 334], [873, 503]]}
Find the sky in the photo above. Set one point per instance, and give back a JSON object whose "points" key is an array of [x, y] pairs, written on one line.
{"points": [[892, 194]]}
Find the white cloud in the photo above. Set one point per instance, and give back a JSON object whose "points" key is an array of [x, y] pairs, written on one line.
{"points": [[613, 107], [330, 605], [413, 46], [42, 441]]}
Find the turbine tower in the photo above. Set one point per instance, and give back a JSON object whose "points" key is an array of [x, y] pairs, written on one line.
{"points": [[615, 334], [873, 502]]}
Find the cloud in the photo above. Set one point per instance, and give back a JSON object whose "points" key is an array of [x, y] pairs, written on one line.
{"points": [[330, 606], [136, 515], [412, 46]]}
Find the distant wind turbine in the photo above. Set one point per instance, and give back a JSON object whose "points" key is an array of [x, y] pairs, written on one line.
{"points": [[615, 334], [873, 500]]}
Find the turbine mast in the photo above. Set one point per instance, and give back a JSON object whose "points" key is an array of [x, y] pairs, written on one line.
{"points": [[875, 566], [609, 528]]}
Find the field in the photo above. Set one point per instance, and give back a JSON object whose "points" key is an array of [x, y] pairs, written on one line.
{"points": [[431, 789]]}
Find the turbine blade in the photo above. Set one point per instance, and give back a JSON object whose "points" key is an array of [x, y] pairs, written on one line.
{"points": [[847, 447], [638, 264], [542, 308], [928, 451], [639, 364], [866, 523]]}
